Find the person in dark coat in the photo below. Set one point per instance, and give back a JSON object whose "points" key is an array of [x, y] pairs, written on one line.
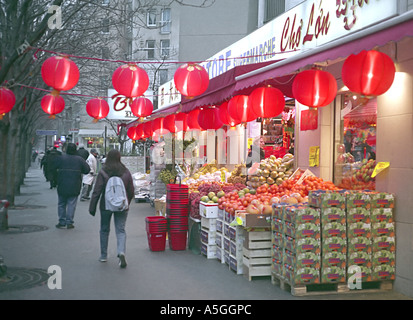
{"points": [[51, 172], [70, 168], [83, 152], [112, 167]]}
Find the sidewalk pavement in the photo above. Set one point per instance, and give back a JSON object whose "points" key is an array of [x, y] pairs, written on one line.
{"points": [[166, 275]]}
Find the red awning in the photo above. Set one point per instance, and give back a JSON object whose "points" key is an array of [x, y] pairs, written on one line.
{"points": [[392, 30]]}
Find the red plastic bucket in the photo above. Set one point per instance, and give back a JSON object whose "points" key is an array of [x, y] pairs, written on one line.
{"points": [[157, 241], [177, 240], [156, 224]]}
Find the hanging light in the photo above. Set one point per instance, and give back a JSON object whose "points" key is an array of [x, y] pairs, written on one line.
{"points": [[97, 108], [158, 126], [52, 104], [147, 129], [132, 133], [7, 101], [369, 73], [239, 110], [315, 88], [192, 120], [169, 123], [191, 79], [225, 117], [209, 119], [267, 102], [60, 73], [130, 80], [181, 122], [141, 107]]}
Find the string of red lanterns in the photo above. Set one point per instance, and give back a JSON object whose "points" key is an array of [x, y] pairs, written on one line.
{"points": [[7, 101]]}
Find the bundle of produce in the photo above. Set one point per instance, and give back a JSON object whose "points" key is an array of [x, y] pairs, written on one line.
{"points": [[237, 175], [271, 171], [167, 176], [358, 177]]}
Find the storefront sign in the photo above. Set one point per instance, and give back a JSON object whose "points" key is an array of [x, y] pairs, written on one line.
{"points": [[314, 159], [121, 110], [168, 95]]}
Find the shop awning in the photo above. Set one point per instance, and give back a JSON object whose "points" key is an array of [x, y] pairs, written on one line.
{"points": [[394, 29], [91, 132]]}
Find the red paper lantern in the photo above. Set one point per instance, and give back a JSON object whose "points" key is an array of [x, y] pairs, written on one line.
{"points": [[97, 108], [132, 133], [209, 119], [169, 123], [239, 110], [369, 73], [181, 122], [141, 107], [267, 102], [7, 101], [139, 132], [191, 79], [130, 81], [314, 88], [147, 129], [158, 126], [192, 120], [60, 73], [52, 104], [225, 117]]}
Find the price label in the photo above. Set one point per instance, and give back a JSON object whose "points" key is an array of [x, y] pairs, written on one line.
{"points": [[380, 166]]}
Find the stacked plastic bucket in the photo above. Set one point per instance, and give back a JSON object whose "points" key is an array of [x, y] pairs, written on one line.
{"points": [[156, 228], [177, 212]]}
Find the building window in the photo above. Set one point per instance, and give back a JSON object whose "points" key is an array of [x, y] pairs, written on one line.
{"points": [[273, 8], [163, 76], [166, 20], [165, 50], [150, 48], [151, 18], [105, 25]]}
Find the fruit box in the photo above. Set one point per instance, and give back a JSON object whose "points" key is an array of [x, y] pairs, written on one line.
{"points": [[359, 258], [333, 275], [278, 210], [301, 275], [302, 245], [277, 266], [208, 210], [277, 239], [382, 215], [257, 220], [358, 214], [384, 257], [384, 243], [382, 200], [380, 229], [358, 199], [333, 229], [333, 215], [302, 260], [333, 259], [359, 229], [325, 199], [334, 244], [277, 225], [302, 230], [301, 214], [359, 244], [366, 273], [277, 252], [383, 272]]}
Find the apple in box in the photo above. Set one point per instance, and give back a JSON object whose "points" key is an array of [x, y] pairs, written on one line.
{"points": [[384, 243], [382, 200], [333, 215], [359, 244], [359, 229], [359, 199], [333, 274], [383, 229], [302, 230], [384, 257], [359, 258], [333, 229], [302, 214], [383, 272], [302, 260], [301, 275], [334, 259]]}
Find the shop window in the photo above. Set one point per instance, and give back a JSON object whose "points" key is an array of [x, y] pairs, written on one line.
{"points": [[355, 152]]}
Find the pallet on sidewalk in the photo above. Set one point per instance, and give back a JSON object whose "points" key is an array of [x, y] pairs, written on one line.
{"points": [[329, 288]]}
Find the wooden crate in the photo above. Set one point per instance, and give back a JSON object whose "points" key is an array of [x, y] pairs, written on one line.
{"points": [[257, 240], [257, 262]]}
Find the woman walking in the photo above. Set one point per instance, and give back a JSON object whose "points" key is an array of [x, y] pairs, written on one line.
{"points": [[112, 167]]}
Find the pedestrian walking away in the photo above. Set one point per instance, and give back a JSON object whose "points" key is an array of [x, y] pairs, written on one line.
{"points": [[89, 178], [113, 167], [50, 170], [83, 152], [70, 168]]}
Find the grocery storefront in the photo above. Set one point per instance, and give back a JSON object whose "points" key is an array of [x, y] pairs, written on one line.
{"points": [[343, 141]]}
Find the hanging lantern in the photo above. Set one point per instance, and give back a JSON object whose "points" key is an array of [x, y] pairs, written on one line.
{"points": [[158, 126], [369, 73], [239, 111], [191, 79], [314, 88], [147, 129], [181, 122], [132, 133], [209, 119], [169, 123], [60, 73], [52, 104], [139, 132], [267, 102], [7, 101], [192, 120], [141, 107], [130, 81], [97, 108], [225, 117]]}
